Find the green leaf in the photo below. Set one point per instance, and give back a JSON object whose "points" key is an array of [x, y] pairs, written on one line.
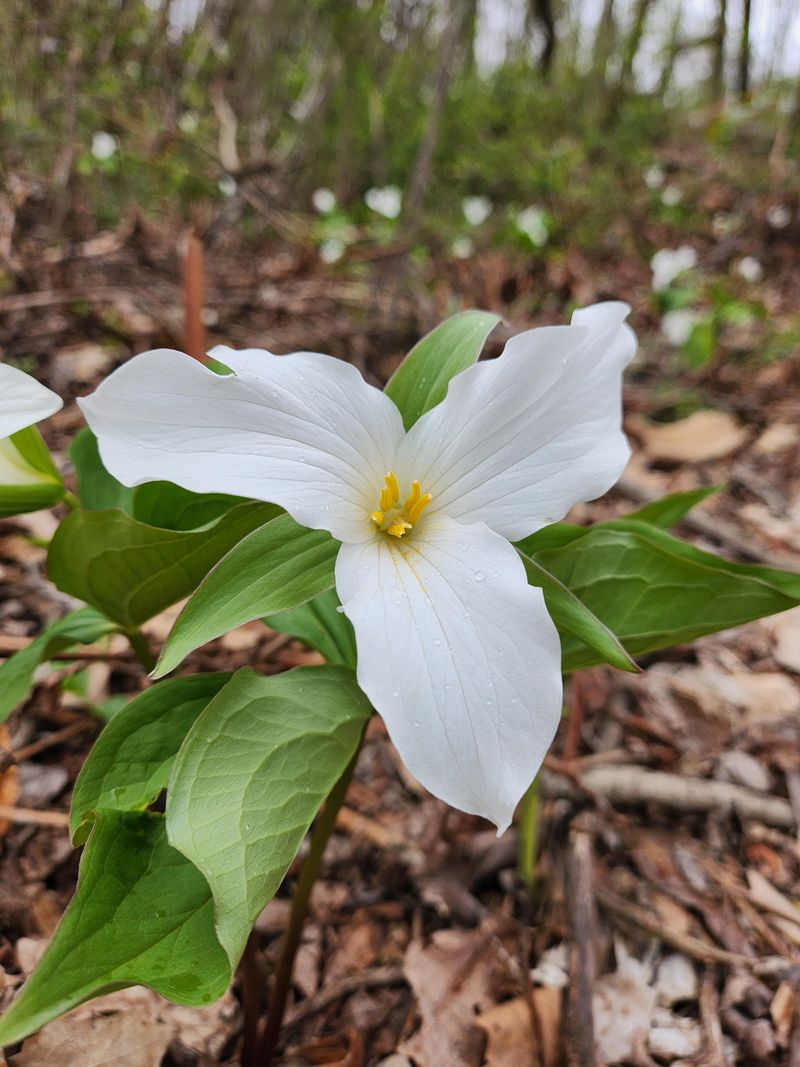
{"points": [[81, 627], [421, 380], [322, 625], [97, 489], [250, 777], [653, 590], [173, 508], [141, 915], [279, 565], [28, 456], [132, 571], [573, 617], [670, 510], [130, 762]]}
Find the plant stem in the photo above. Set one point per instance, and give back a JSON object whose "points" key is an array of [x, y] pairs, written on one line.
{"points": [[529, 834], [70, 500], [141, 648], [308, 874]]}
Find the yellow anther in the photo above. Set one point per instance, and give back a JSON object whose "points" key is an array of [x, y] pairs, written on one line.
{"points": [[416, 490], [418, 507], [393, 518], [398, 528]]}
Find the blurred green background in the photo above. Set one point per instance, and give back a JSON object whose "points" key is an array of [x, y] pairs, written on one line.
{"points": [[528, 156]]}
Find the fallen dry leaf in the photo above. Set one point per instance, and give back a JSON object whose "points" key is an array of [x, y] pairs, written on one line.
{"points": [[703, 436], [9, 781], [509, 1034], [622, 1004], [785, 632], [130, 1028], [776, 438], [451, 980]]}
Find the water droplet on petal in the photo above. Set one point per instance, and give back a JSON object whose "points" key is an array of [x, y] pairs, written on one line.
{"points": [[479, 576], [340, 609], [437, 641]]}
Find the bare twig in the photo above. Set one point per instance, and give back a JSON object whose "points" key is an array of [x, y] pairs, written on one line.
{"points": [[37, 747], [686, 943], [709, 1014], [374, 978], [58, 819], [637, 785], [583, 917]]}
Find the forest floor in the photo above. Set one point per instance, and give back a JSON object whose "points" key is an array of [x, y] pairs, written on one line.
{"points": [[667, 917]]}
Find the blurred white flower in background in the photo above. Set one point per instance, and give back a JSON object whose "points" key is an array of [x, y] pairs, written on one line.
{"points": [[724, 223], [188, 122], [654, 176], [331, 250], [532, 223], [750, 269], [672, 195], [677, 325], [779, 217], [668, 263], [323, 200], [477, 209], [385, 201], [462, 248], [227, 185], [104, 145]]}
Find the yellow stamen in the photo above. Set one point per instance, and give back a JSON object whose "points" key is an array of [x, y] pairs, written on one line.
{"points": [[418, 507], [398, 528], [393, 518], [416, 489]]}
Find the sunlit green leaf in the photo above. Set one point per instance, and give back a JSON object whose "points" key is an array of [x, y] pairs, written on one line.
{"points": [[130, 762], [278, 566], [250, 777], [321, 624], [421, 380], [142, 915]]}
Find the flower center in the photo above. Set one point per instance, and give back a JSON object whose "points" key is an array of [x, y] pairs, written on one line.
{"points": [[395, 518]]}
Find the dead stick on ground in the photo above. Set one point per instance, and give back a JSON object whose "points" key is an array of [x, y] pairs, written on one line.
{"points": [[583, 917], [58, 819], [36, 747], [686, 943], [637, 785], [709, 1014], [373, 978]]}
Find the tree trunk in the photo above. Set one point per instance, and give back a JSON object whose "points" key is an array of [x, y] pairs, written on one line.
{"points": [[718, 46], [604, 41], [744, 53], [421, 173], [672, 52], [542, 11], [632, 44]]}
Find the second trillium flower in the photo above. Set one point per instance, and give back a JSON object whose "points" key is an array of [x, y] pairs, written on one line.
{"points": [[455, 649]]}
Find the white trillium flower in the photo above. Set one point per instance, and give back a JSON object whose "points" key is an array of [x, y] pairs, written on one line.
{"points": [[677, 325], [323, 200], [477, 209], [332, 250], [750, 269], [23, 402], [104, 145], [532, 222], [463, 248], [779, 216], [455, 649], [386, 201], [654, 176], [668, 263], [672, 195]]}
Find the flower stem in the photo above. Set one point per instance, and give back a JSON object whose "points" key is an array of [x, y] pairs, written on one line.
{"points": [[308, 874], [529, 834], [141, 648], [70, 500]]}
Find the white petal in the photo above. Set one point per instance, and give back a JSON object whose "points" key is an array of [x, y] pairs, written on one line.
{"points": [[458, 654], [520, 439], [23, 400], [304, 431]]}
